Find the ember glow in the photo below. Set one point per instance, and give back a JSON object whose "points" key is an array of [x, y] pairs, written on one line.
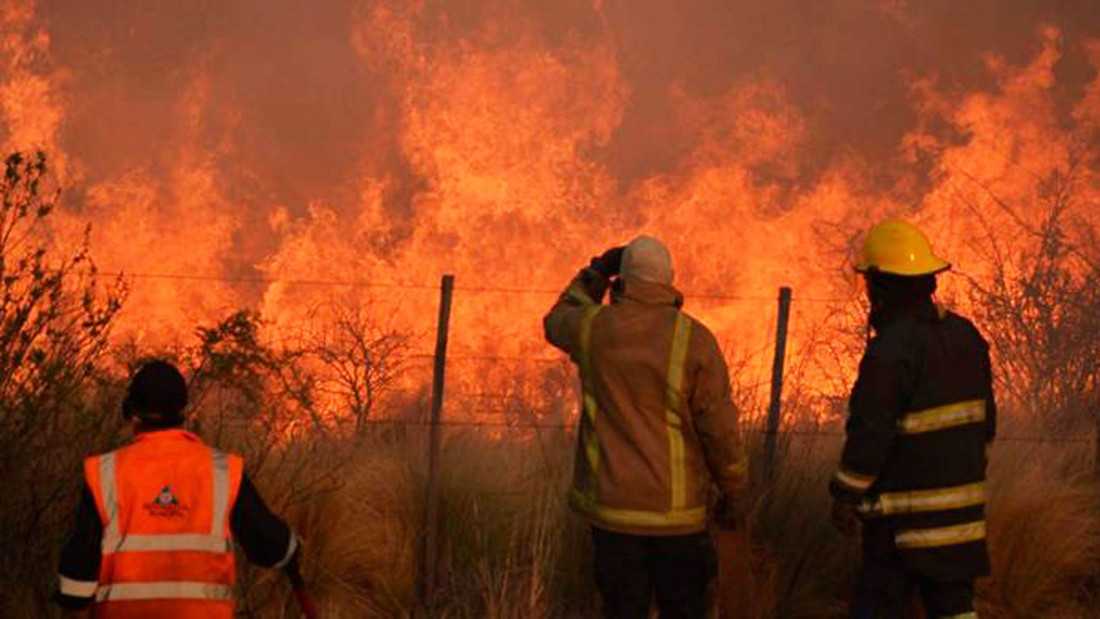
{"points": [[263, 145]]}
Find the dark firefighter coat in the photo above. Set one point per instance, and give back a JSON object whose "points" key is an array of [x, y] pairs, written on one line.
{"points": [[922, 414]]}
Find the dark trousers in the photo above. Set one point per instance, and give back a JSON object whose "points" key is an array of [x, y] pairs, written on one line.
{"points": [[632, 570], [884, 590]]}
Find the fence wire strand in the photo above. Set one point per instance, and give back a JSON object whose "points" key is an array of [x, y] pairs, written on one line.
{"points": [[482, 289]]}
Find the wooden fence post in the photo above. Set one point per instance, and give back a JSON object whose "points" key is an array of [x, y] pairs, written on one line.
{"points": [[775, 407], [428, 556]]}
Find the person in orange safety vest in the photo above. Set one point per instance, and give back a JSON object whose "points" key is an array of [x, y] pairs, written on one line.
{"points": [[157, 520]]}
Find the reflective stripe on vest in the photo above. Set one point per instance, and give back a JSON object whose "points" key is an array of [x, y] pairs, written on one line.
{"points": [[216, 541], [934, 500], [138, 560], [941, 536], [111, 537], [943, 417], [674, 410], [164, 591], [177, 542], [220, 520]]}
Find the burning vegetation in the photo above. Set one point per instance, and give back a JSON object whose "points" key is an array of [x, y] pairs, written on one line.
{"points": [[268, 192]]}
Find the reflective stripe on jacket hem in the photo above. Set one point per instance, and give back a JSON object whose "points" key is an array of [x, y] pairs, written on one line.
{"points": [[195, 542], [943, 417], [941, 536], [637, 517], [969, 615], [164, 591], [933, 500], [77, 588]]}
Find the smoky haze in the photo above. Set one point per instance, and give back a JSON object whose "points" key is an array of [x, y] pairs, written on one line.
{"points": [[394, 139], [306, 117]]}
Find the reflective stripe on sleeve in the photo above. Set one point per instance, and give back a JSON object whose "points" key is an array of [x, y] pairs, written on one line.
{"points": [[108, 490], [178, 542], [291, 546], [221, 493], [942, 536], [854, 481], [172, 590], [943, 417], [577, 293], [674, 410], [77, 588], [934, 500]]}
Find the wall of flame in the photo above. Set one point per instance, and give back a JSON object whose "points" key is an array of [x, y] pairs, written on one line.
{"points": [[261, 145]]}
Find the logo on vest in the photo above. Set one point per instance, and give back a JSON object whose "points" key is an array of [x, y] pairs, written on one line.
{"points": [[166, 505]]}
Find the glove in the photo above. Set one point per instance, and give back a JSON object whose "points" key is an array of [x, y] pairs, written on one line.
{"points": [[610, 263], [845, 518], [728, 515]]}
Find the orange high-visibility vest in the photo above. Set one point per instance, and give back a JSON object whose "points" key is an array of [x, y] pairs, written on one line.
{"points": [[165, 502]]}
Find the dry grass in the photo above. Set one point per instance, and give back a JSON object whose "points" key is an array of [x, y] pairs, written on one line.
{"points": [[510, 548], [1044, 534]]}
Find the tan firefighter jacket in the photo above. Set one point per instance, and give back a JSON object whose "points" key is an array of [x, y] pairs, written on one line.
{"points": [[657, 422]]}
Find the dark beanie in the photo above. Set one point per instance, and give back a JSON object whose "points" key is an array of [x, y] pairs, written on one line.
{"points": [[157, 393]]}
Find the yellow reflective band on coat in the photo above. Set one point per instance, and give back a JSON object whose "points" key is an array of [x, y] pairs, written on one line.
{"points": [[674, 410], [943, 417], [853, 480], [591, 406], [635, 517], [169, 590], [969, 615], [77, 588], [942, 536], [933, 500]]}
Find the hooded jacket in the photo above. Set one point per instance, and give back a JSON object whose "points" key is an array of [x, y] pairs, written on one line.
{"points": [[657, 422]]}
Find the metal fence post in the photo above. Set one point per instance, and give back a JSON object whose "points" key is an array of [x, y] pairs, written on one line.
{"points": [[429, 552], [775, 407]]}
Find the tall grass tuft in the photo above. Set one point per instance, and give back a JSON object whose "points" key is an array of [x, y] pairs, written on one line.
{"points": [[1044, 534]]}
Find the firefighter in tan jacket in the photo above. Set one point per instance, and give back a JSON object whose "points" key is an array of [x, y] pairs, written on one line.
{"points": [[657, 428]]}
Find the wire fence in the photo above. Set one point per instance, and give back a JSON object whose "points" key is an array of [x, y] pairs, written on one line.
{"points": [[503, 419], [412, 286], [835, 434], [561, 360]]}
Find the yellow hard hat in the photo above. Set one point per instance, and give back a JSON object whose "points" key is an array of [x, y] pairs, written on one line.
{"points": [[898, 248]]}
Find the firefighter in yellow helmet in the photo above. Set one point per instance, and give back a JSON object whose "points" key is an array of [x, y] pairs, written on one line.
{"points": [[921, 416], [657, 426]]}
